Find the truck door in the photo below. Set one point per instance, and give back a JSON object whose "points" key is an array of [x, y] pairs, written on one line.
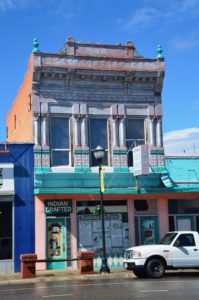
{"points": [[185, 253]]}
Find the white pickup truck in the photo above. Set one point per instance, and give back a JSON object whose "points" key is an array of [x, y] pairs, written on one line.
{"points": [[177, 250]]}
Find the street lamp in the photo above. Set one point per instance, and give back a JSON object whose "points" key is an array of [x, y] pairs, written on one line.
{"points": [[99, 154]]}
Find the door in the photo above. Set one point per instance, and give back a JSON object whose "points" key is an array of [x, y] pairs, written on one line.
{"points": [[56, 243], [184, 223], [148, 230], [185, 252]]}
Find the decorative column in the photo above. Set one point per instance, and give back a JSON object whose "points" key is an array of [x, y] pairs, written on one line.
{"points": [[152, 131], [77, 147], [84, 132], [36, 130], [44, 130], [159, 132], [84, 142], [115, 141], [76, 131], [45, 148], [122, 133], [122, 143]]}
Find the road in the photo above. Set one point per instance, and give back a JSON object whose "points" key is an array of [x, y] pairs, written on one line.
{"points": [[170, 287]]}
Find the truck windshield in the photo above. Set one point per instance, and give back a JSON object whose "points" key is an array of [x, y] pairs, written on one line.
{"points": [[168, 238]]}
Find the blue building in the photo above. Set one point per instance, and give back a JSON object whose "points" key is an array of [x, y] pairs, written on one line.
{"points": [[16, 205]]}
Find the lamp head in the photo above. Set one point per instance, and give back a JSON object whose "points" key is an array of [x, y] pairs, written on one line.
{"points": [[99, 153]]}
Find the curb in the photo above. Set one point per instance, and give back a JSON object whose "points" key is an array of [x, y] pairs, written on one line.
{"points": [[43, 278]]}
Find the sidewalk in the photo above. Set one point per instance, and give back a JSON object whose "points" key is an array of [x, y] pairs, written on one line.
{"points": [[69, 274]]}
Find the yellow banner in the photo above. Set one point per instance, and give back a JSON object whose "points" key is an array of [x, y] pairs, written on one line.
{"points": [[102, 181]]}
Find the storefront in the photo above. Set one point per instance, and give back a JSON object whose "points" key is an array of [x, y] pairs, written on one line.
{"points": [[146, 222], [116, 230], [6, 217], [183, 214], [58, 223]]}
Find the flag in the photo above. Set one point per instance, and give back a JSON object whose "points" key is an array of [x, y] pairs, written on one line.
{"points": [[102, 189]]}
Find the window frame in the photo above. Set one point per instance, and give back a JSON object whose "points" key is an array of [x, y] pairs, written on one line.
{"points": [[107, 151], [133, 144], [66, 150]]}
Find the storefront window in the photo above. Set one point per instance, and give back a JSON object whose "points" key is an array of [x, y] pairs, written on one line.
{"points": [[5, 230], [116, 227]]}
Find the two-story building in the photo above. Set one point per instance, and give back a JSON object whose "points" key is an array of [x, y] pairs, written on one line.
{"points": [[86, 95]]}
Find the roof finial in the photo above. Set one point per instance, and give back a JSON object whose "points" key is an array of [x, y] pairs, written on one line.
{"points": [[36, 46], [159, 52]]}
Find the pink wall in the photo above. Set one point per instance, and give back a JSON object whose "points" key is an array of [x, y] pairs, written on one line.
{"points": [[40, 232], [74, 234], [131, 222], [163, 216]]}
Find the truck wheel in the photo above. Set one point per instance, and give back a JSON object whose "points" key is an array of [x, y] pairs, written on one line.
{"points": [[155, 268], [140, 273]]}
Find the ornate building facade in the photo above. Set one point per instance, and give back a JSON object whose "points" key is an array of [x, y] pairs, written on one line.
{"points": [[70, 102]]}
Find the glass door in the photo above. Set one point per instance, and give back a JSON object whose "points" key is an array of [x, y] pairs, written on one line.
{"points": [[184, 223], [56, 242], [148, 230]]}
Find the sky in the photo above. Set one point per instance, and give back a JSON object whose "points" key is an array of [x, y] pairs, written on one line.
{"points": [[174, 24]]}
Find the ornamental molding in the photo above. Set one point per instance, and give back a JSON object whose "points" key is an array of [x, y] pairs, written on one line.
{"points": [[100, 64]]}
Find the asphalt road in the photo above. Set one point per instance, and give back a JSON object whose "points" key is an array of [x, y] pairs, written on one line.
{"points": [[169, 287]]}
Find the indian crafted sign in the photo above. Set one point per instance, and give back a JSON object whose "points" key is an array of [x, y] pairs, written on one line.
{"points": [[141, 160], [58, 207]]}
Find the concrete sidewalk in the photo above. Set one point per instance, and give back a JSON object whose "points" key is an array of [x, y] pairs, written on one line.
{"points": [[69, 274]]}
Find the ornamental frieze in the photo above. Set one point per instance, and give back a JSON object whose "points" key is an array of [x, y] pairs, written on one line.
{"points": [[102, 64]]}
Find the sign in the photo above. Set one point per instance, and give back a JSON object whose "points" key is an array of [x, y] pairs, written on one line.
{"points": [[6, 179], [141, 160], [58, 207]]}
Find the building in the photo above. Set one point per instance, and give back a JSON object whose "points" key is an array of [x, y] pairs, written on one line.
{"points": [[83, 96], [16, 205]]}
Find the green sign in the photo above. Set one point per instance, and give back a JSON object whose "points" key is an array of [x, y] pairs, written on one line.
{"points": [[58, 207]]}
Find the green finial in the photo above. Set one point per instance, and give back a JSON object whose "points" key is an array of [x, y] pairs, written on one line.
{"points": [[159, 52], [36, 46], [63, 51], [136, 55]]}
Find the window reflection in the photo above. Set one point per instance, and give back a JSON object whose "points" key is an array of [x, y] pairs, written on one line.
{"points": [[59, 141], [98, 137], [134, 136]]}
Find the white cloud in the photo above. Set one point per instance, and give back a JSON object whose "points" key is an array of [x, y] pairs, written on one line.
{"points": [[14, 4], [196, 104], [182, 142], [188, 42], [154, 12], [143, 17]]}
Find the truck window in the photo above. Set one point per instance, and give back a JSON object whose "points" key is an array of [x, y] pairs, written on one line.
{"points": [[168, 238], [185, 240]]}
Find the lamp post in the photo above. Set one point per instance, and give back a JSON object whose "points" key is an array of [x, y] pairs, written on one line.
{"points": [[99, 154]]}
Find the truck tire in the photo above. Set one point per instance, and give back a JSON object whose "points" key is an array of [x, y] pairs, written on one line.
{"points": [[140, 273], [155, 268]]}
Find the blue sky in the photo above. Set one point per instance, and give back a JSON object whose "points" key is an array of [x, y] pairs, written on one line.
{"points": [[174, 24]]}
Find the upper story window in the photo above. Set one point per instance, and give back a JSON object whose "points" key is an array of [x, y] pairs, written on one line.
{"points": [[98, 137], [134, 136], [59, 141]]}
